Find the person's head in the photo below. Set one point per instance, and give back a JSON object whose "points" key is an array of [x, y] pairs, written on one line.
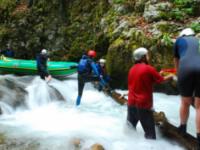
{"points": [[141, 55], [187, 32], [44, 52], [92, 53], [102, 62]]}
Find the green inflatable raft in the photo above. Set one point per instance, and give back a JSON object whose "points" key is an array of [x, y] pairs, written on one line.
{"points": [[28, 67]]}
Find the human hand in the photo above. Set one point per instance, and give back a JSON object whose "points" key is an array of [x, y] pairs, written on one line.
{"points": [[161, 73], [174, 78]]}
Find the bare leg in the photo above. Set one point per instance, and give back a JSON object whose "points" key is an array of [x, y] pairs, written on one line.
{"points": [[184, 109], [197, 106]]}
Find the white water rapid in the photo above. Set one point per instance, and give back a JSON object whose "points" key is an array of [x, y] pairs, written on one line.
{"points": [[52, 124]]}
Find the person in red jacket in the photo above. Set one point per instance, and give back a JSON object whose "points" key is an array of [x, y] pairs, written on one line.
{"points": [[141, 79]]}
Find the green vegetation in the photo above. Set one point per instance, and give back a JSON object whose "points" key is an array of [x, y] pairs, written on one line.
{"points": [[70, 28], [189, 7], [119, 1], [195, 26]]}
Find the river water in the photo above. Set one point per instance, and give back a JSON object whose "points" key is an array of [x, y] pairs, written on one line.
{"points": [[52, 124]]}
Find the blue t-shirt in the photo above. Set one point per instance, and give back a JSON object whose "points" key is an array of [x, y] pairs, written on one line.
{"points": [[187, 50]]}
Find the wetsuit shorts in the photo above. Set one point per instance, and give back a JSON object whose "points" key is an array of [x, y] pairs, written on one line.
{"points": [[145, 116], [189, 83]]}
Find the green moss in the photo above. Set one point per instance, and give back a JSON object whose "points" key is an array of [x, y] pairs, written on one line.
{"points": [[195, 26], [7, 4], [117, 43], [119, 1], [5, 33]]}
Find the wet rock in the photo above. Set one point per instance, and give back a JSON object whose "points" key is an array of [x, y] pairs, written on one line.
{"points": [[55, 94], [152, 11], [76, 142], [12, 92], [159, 117], [97, 147], [166, 27]]}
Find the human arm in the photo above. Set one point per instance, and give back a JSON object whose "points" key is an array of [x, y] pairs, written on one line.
{"points": [[97, 73], [169, 77], [94, 68]]}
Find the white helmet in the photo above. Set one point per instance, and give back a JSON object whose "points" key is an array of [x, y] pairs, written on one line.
{"points": [[186, 32], [102, 61], [44, 51], [139, 53]]}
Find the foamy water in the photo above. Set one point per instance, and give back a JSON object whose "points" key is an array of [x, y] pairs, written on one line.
{"points": [[99, 119]]}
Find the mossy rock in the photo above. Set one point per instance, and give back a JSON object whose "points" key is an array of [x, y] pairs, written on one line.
{"points": [[118, 62]]}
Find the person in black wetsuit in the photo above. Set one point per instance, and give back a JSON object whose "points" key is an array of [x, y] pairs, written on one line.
{"points": [[87, 72], [41, 60], [187, 63]]}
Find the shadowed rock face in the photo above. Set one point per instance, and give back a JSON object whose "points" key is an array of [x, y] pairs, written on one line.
{"points": [[55, 94], [12, 92]]}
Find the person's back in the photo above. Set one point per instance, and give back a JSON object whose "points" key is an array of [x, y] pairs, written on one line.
{"points": [[187, 49], [140, 84], [84, 65], [141, 78], [187, 60], [41, 61]]}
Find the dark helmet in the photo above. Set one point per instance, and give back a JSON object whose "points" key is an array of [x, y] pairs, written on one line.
{"points": [[92, 53]]}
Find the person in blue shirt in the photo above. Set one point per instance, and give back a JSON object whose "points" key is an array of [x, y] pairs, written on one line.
{"points": [[187, 63], [101, 66], [87, 72], [41, 60], [8, 52]]}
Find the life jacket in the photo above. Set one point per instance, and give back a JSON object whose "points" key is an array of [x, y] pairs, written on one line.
{"points": [[84, 65]]}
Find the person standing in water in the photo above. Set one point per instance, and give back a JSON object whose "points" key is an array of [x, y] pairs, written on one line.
{"points": [[141, 78]]}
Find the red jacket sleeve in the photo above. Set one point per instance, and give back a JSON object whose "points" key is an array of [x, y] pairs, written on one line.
{"points": [[157, 78]]}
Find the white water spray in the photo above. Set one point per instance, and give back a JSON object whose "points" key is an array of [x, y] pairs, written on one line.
{"points": [[97, 120]]}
